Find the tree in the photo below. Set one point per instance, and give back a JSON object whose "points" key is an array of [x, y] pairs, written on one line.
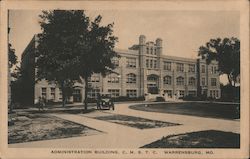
{"points": [[12, 56], [96, 56], [12, 60], [71, 48], [227, 53], [58, 47]]}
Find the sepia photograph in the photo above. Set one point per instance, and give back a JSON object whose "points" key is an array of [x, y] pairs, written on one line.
{"points": [[129, 82]]}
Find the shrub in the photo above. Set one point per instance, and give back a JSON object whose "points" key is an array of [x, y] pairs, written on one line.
{"points": [[190, 98], [160, 99]]}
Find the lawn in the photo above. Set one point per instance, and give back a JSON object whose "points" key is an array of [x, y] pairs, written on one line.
{"points": [[200, 139], [34, 127], [136, 122], [202, 109]]}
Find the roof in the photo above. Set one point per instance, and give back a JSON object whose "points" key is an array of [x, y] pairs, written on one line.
{"points": [[179, 58], [123, 51], [136, 52]]}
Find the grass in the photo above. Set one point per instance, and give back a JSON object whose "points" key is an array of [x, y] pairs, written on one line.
{"points": [[214, 110], [35, 127], [136, 122], [200, 139]]}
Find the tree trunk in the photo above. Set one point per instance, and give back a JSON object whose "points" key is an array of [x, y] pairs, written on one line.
{"points": [[63, 94], [86, 94]]}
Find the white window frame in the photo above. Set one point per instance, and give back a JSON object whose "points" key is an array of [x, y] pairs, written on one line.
{"points": [[131, 78], [131, 62], [167, 80], [180, 81], [179, 67]]}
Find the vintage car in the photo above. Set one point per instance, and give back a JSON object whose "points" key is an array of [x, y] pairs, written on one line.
{"points": [[104, 101]]}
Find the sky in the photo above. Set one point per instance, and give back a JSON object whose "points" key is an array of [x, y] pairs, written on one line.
{"points": [[182, 32]]}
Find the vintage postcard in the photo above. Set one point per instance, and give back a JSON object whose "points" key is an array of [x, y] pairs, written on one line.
{"points": [[124, 79]]}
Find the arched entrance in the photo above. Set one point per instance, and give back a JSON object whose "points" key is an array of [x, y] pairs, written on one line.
{"points": [[153, 84]]}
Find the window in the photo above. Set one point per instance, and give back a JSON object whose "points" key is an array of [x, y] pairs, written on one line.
{"points": [[113, 78], [155, 64], [151, 63], [167, 80], [181, 93], [151, 51], [191, 68], [147, 50], [131, 78], [147, 63], [180, 81], [76, 91], [155, 51], [167, 66], [131, 62], [203, 69], [203, 81], [169, 93], [192, 93], [52, 93], [214, 93], [44, 92], [217, 94], [213, 82], [152, 78], [191, 81], [131, 93], [180, 67], [115, 61], [114, 92], [92, 93], [213, 70]]}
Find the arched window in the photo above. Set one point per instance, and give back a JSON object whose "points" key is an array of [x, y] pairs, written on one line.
{"points": [[131, 78], [167, 80], [191, 81], [180, 81]]}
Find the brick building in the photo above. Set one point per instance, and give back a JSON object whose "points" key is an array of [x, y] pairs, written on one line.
{"points": [[141, 69]]}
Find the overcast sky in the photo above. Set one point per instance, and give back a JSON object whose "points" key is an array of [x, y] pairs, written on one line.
{"points": [[182, 31]]}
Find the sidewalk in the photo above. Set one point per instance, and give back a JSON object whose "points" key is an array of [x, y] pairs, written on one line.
{"points": [[120, 136]]}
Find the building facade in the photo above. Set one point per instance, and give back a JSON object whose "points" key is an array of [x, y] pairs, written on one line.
{"points": [[142, 69]]}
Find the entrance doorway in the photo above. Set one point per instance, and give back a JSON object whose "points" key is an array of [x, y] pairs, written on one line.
{"points": [[77, 96], [153, 84]]}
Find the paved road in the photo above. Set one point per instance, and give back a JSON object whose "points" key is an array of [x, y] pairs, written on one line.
{"points": [[120, 136]]}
